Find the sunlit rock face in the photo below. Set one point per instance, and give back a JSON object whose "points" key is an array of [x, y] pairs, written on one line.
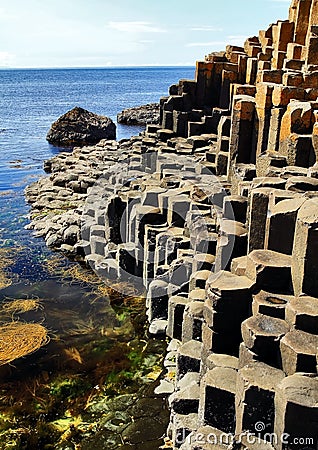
{"points": [[140, 115], [80, 127]]}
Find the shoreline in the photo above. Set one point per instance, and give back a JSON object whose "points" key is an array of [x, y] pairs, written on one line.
{"points": [[215, 213]]}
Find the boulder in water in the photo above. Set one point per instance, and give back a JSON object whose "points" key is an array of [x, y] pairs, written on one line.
{"points": [[80, 127]]}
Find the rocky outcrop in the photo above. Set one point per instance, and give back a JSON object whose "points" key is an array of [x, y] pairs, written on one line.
{"points": [[58, 200], [140, 115], [80, 127], [215, 214]]}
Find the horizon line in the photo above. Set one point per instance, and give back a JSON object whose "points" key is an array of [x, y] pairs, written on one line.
{"points": [[100, 67]]}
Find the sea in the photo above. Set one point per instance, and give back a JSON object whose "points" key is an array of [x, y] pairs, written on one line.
{"points": [[30, 100], [96, 351]]}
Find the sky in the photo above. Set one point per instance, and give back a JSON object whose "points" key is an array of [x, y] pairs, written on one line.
{"points": [[102, 33]]}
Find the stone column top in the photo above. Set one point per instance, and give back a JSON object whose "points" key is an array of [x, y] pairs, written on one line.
{"points": [[225, 281], [262, 375], [301, 388]]}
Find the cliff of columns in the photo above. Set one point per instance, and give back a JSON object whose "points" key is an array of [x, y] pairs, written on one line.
{"points": [[215, 214]]}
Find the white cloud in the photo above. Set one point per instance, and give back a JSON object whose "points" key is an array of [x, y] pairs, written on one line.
{"points": [[146, 41], [206, 44], [229, 40], [6, 59], [135, 27], [5, 15], [206, 28], [238, 39]]}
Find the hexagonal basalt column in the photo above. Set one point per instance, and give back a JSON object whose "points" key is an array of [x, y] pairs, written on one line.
{"points": [[180, 270], [219, 360], [150, 197], [255, 392], [126, 257], [227, 304], [235, 208], [298, 351], [270, 270], [262, 334], [258, 209], [238, 266], [176, 307], [157, 300], [304, 260], [296, 405], [242, 146], [198, 279], [197, 295], [204, 242], [232, 243], [178, 207], [269, 304], [217, 399], [203, 261], [189, 358], [151, 232], [283, 217], [192, 322], [230, 293], [302, 313], [219, 342], [185, 401]]}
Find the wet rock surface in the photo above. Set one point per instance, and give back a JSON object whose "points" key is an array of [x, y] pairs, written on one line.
{"points": [[79, 127], [132, 421]]}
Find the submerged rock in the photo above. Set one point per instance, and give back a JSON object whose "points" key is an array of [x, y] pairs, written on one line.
{"points": [[140, 115], [79, 127]]}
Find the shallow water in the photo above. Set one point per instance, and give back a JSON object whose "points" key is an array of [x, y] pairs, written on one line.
{"points": [[30, 100], [64, 394], [92, 385]]}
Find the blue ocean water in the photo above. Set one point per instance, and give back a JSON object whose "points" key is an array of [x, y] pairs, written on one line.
{"points": [[30, 100]]}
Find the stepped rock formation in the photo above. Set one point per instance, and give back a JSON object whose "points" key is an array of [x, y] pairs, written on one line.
{"points": [[215, 213], [80, 127]]}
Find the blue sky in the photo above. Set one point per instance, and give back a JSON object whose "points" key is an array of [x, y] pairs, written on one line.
{"points": [[69, 33]]}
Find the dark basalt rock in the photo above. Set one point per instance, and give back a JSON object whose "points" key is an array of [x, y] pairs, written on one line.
{"points": [[140, 115], [80, 127]]}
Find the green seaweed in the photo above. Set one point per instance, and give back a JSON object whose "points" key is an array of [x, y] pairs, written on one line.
{"points": [[97, 353], [69, 388]]}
